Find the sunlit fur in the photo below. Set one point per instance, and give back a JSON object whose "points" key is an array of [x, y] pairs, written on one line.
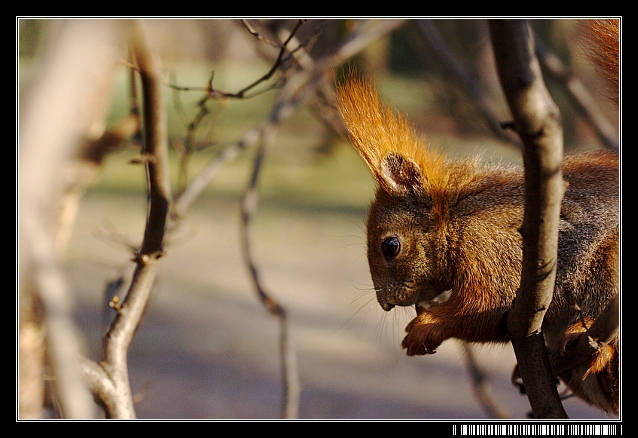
{"points": [[458, 224]]}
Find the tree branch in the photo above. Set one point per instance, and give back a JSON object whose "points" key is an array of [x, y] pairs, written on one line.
{"points": [[115, 390], [298, 88], [537, 121], [358, 39], [481, 387], [580, 96], [461, 75], [67, 96]]}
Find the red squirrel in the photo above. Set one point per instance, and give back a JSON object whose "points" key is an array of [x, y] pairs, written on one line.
{"points": [[443, 236]]}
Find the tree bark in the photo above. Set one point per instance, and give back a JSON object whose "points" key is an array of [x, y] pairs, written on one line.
{"points": [[537, 121]]}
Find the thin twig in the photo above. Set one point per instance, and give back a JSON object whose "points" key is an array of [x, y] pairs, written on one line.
{"points": [[481, 388], [297, 90], [357, 40], [257, 35], [112, 383], [248, 206], [212, 92], [275, 66]]}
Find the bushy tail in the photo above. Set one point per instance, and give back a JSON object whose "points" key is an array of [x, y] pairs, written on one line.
{"points": [[601, 43]]}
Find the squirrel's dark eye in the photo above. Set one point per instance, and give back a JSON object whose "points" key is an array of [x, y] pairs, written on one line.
{"points": [[391, 247]]}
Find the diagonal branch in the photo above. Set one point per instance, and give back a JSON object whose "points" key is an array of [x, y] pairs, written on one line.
{"points": [[312, 77], [579, 94], [481, 388], [462, 76], [248, 207]]}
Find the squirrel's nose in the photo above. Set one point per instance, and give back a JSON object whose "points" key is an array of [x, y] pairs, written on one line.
{"points": [[386, 306]]}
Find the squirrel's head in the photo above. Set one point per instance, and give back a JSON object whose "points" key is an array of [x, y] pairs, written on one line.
{"points": [[406, 225]]}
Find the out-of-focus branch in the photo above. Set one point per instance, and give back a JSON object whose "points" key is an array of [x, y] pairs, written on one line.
{"points": [[248, 206], [56, 113], [109, 379], [537, 121], [482, 389], [360, 37], [212, 93], [575, 88], [83, 171], [297, 90], [461, 75], [579, 95]]}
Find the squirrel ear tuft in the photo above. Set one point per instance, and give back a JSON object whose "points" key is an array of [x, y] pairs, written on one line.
{"points": [[400, 175]]}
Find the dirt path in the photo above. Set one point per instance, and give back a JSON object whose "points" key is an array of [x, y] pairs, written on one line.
{"points": [[207, 349]]}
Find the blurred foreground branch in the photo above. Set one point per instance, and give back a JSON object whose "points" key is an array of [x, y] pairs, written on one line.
{"points": [[68, 95]]}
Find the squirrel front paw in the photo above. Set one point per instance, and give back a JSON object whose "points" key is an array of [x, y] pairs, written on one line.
{"points": [[420, 339]]}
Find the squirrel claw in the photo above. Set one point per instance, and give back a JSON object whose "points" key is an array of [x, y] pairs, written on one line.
{"points": [[418, 347]]}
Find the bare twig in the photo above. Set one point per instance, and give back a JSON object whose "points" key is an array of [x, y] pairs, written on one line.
{"points": [[248, 206], [297, 90], [273, 69], [212, 92], [358, 39], [109, 379], [537, 121], [258, 35], [481, 388]]}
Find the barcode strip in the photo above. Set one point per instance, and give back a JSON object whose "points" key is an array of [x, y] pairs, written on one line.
{"points": [[536, 429]]}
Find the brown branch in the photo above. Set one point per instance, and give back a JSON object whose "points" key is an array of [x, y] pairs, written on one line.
{"points": [[297, 90], [537, 121], [277, 63], [248, 206], [109, 379], [212, 92], [309, 79]]}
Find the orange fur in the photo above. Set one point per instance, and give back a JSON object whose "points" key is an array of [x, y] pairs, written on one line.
{"points": [[376, 131], [603, 37], [595, 381], [440, 225]]}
